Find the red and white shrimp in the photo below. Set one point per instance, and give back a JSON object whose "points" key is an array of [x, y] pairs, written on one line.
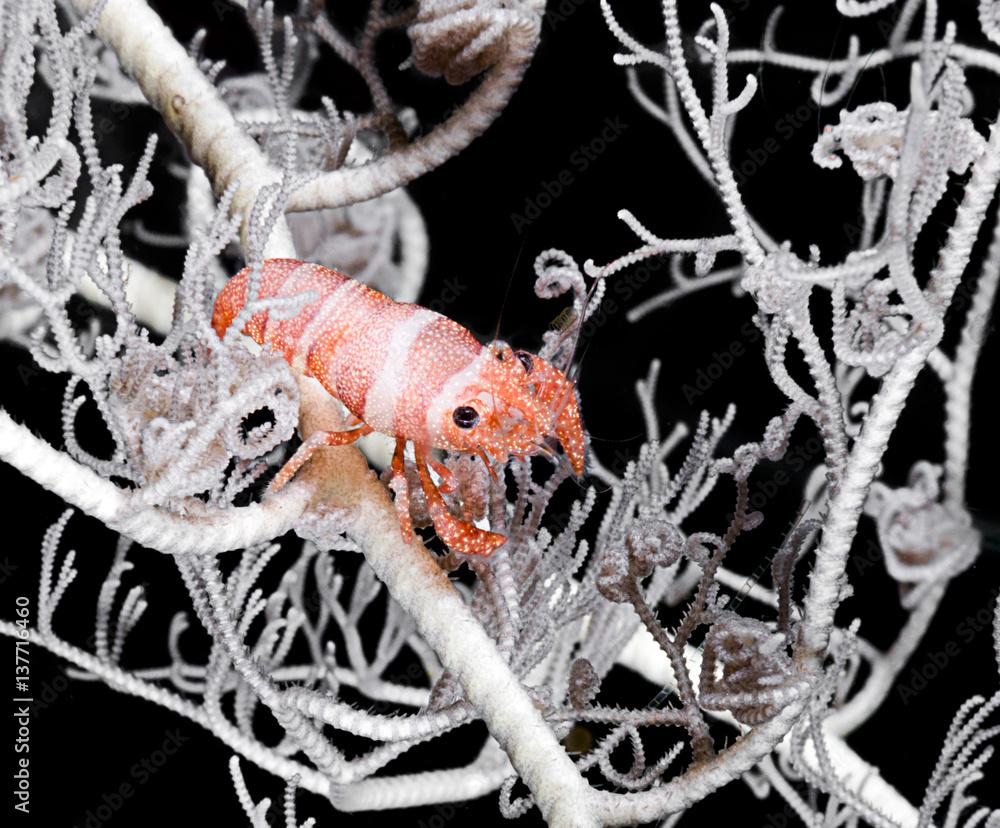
{"points": [[415, 375]]}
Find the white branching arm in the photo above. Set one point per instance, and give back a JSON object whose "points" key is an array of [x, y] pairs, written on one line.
{"points": [[210, 532]]}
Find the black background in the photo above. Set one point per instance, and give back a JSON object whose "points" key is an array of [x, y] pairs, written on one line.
{"points": [[88, 740]]}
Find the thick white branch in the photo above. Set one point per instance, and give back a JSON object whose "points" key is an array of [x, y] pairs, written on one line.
{"points": [[958, 387], [444, 620], [201, 531], [840, 526], [482, 776], [190, 105], [349, 185], [861, 778]]}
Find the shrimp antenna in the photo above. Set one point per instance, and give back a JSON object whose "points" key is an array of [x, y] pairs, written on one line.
{"points": [[506, 291], [571, 371], [575, 368], [503, 306]]}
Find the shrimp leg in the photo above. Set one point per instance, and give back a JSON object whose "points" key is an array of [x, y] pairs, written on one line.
{"points": [[319, 439], [457, 534], [399, 486]]}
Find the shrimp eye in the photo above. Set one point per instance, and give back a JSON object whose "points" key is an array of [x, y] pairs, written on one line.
{"points": [[465, 416], [525, 361]]}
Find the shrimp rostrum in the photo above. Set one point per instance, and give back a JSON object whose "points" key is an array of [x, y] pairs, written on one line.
{"points": [[415, 375]]}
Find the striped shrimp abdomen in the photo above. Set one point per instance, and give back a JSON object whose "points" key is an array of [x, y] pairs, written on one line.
{"points": [[392, 365], [290, 277], [385, 360]]}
